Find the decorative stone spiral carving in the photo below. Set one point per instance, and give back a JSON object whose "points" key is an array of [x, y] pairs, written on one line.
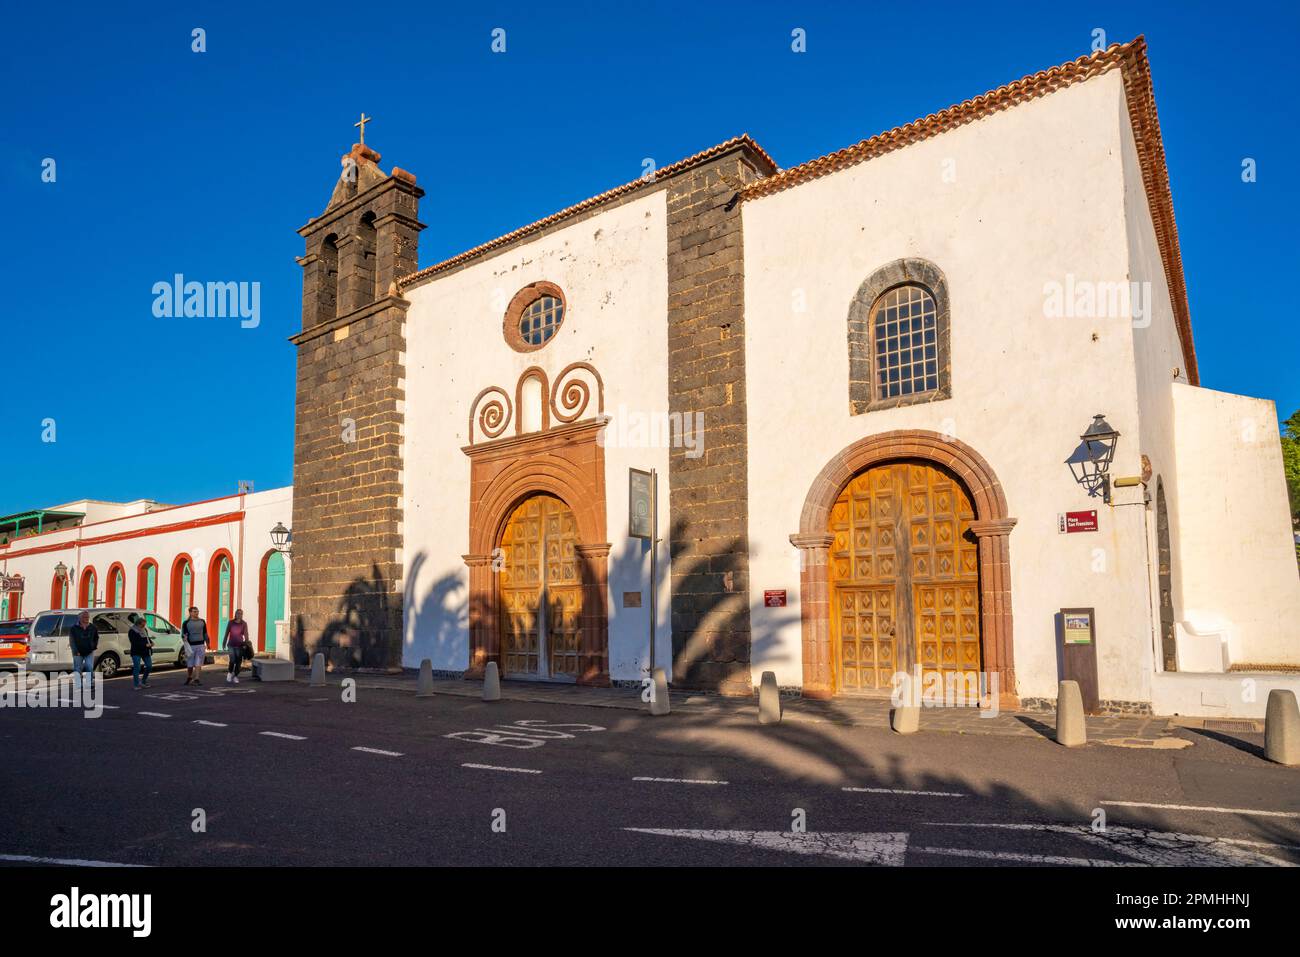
{"points": [[571, 395], [495, 415]]}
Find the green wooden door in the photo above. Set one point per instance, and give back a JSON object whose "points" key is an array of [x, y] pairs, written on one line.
{"points": [[151, 588], [274, 610], [223, 600]]}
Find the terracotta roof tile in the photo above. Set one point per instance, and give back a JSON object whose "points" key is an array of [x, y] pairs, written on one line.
{"points": [[617, 192]]}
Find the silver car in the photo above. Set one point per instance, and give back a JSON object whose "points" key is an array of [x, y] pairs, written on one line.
{"points": [[50, 648]]}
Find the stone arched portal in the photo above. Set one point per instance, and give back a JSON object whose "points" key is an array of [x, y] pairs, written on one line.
{"points": [[565, 462], [992, 527]]}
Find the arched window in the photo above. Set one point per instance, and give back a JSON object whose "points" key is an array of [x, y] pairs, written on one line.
{"points": [[115, 593], [327, 295], [534, 316], [899, 337], [86, 592], [59, 593], [146, 585], [182, 589], [221, 594]]}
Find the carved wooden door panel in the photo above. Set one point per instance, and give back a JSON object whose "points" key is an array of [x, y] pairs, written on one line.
{"points": [[904, 576], [540, 591]]}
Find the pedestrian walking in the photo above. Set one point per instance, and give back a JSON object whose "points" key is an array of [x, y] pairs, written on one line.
{"points": [[85, 639], [141, 652], [195, 633], [237, 642]]}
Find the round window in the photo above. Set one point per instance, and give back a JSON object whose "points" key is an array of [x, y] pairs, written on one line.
{"points": [[534, 316]]}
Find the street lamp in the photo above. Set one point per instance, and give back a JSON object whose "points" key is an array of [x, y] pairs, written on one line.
{"points": [[280, 538], [1090, 462], [60, 571]]}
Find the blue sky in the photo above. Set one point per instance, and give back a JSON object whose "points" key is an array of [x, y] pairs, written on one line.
{"points": [[170, 161]]}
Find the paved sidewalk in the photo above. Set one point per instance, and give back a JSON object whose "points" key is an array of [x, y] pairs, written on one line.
{"points": [[1135, 732]]}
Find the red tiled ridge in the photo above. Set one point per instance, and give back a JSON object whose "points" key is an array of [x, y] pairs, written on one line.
{"points": [[615, 193], [1129, 57]]}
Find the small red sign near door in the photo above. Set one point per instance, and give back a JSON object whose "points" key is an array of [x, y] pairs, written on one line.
{"points": [[774, 598], [1078, 521]]}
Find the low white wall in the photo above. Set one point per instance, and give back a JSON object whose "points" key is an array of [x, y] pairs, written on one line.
{"points": [[1235, 549], [1217, 696]]}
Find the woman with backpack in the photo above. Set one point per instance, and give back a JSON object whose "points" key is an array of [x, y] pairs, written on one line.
{"points": [[238, 645]]}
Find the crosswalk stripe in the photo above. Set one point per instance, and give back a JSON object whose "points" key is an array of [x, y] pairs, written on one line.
{"points": [[391, 754], [493, 767], [679, 780], [281, 734]]}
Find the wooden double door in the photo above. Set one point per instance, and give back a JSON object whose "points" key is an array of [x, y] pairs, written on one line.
{"points": [[540, 591], [904, 574]]}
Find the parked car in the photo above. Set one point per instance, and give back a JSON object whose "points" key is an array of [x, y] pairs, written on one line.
{"points": [[50, 649], [13, 643]]}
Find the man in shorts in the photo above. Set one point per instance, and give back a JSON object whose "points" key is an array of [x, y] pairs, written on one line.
{"points": [[195, 634]]}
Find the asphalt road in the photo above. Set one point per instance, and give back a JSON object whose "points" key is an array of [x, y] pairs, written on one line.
{"points": [[279, 774]]}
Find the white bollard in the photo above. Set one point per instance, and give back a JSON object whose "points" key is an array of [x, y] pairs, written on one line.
{"points": [[1071, 730], [905, 719], [424, 686], [659, 703], [491, 682], [1282, 728], [769, 699], [318, 670]]}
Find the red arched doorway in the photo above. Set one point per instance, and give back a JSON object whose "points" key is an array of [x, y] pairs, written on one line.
{"points": [[181, 589], [910, 483]]}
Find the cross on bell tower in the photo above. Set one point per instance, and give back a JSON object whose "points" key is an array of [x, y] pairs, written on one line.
{"points": [[362, 125]]}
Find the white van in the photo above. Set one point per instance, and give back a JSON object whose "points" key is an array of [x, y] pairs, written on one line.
{"points": [[50, 648]]}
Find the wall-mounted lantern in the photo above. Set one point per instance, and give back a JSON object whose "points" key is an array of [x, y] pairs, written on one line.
{"points": [[282, 539], [61, 571], [1090, 462]]}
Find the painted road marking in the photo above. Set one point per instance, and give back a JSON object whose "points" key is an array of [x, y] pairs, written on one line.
{"points": [[1158, 848], [153, 714], [493, 767], [936, 794], [1026, 858], [67, 862], [523, 734], [211, 724], [681, 781], [391, 754], [281, 734], [1196, 807], [884, 848]]}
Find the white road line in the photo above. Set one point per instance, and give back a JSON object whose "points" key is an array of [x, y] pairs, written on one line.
{"points": [[280, 734], [885, 848], [391, 754], [153, 714], [210, 724], [934, 794], [1027, 858], [68, 862], [679, 780], [1196, 807], [493, 767]]}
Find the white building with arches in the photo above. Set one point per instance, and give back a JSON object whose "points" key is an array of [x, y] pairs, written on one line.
{"points": [[216, 554]]}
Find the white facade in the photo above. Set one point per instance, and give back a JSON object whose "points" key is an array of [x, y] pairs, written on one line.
{"points": [[612, 268], [132, 535]]}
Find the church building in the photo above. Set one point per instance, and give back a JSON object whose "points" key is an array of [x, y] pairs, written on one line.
{"points": [[928, 402]]}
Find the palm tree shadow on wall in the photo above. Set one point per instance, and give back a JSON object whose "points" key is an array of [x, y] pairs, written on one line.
{"points": [[365, 632]]}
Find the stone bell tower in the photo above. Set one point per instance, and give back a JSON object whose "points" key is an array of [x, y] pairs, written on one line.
{"points": [[346, 587]]}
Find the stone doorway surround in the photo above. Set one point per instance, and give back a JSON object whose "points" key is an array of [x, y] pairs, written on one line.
{"points": [[992, 526]]}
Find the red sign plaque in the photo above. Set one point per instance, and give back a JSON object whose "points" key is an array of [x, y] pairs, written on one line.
{"points": [[1069, 522], [774, 598]]}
